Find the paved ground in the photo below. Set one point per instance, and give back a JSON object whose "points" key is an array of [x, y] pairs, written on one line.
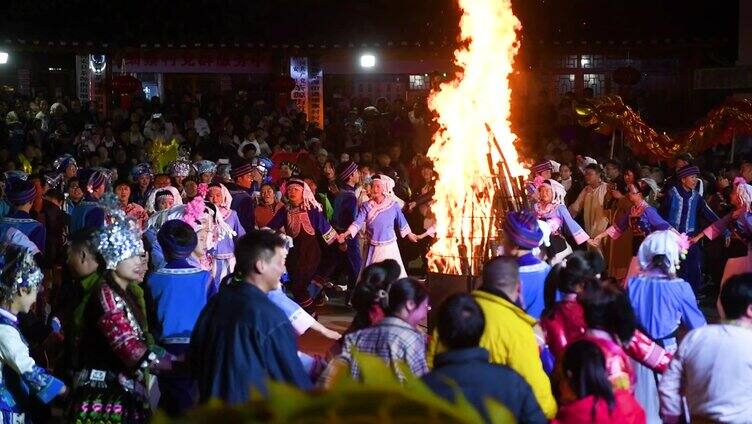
{"points": [[334, 315], [337, 316]]}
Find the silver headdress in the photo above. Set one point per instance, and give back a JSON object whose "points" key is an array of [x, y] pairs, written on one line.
{"points": [[19, 270], [53, 179], [143, 168], [121, 239], [180, 168], [61, 163], [20, 175], [204, 166]]}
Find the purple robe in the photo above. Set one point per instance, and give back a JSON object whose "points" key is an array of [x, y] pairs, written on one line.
{"points": [[640, 225]]}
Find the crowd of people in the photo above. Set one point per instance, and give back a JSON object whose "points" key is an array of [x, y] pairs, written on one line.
{"points": [[132, 280]]}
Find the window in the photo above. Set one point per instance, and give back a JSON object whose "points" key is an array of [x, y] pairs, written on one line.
{"points": [[564, 83], [418, 82], [591, 61], [565, 61], [595, 81]]}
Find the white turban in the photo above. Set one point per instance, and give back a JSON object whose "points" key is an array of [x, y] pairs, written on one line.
{"points": [[151, 201], [667, 243]]}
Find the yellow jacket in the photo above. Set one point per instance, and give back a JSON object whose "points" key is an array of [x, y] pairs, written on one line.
{"points": [[510, 341]]}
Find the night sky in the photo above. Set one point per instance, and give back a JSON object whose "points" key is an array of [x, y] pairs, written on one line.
{"points": [[342, 21]]}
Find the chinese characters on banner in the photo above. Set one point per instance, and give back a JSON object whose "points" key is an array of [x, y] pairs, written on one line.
{"points": [[308, 93], [90, 85], [98, 92], [299, 74], [224, 62], [82, 77], [315, 92]]}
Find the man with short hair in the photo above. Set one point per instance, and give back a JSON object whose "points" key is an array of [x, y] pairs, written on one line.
{"points": [[460, 327], [75, 195], [590, 202], [84, 273], [88, 213], [713, 367], [134, 210], [508, 335], [241, 338]]}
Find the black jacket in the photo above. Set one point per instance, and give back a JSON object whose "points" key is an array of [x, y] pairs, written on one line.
{"points": [[478, 379]]}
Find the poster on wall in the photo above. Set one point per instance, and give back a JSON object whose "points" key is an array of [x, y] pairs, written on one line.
{"points": [[299, 74], [82, 77]]}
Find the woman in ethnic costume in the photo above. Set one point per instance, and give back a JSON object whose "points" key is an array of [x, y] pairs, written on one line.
{"points": [[116, 353], [641, 220], [661, 302], [618, 204], [23, 384], [379, 215], [550, 208], [302, 220], [739, 224], [210, 227], [224, 254], [565, 323]]}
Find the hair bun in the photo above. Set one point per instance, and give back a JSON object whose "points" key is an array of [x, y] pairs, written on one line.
{"points": [[382, 298]]}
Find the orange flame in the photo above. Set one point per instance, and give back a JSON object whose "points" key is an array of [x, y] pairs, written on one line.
{"points": [[472, 110]]}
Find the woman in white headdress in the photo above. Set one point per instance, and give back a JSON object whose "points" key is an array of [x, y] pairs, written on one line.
{"points": [[551, 209], [204, 218], [224, 255], [379, 215], [661, 301], [162, 199]]}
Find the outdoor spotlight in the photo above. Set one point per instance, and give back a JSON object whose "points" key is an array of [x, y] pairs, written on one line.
{"points": [[97, 63], [367, 61], [3, 58]]}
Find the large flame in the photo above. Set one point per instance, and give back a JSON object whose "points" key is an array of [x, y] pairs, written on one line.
{"points": [[473, 109]]}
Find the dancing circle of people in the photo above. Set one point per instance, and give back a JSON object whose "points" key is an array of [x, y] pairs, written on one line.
{"points": [[201, 283]]}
